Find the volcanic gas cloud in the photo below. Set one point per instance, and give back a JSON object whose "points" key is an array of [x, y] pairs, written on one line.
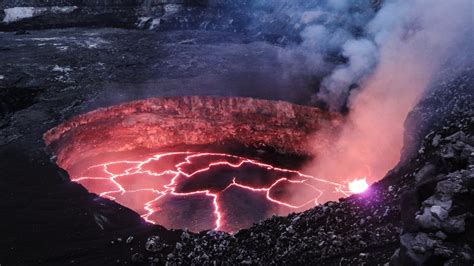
{"points": [[401, 55], [199, 162]]}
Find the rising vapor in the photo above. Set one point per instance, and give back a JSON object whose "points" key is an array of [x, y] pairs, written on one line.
{"points": [[413, 40]]}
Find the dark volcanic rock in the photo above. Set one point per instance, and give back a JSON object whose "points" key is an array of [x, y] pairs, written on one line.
{"points": [[144, 14], [53, 14], [438, 210]]}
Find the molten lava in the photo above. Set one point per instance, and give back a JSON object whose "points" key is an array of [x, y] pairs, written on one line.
{"points": [[195, 190], [123, 153]]}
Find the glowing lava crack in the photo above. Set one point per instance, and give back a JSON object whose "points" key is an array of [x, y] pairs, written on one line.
{"points": [[192, 190], [112, 152]]}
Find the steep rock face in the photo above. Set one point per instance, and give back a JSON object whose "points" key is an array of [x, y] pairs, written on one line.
{"points": [[190, 120], [450, 100], [437, 212]]}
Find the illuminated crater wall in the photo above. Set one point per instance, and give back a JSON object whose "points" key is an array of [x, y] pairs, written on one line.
{"points": [[156, 157]]}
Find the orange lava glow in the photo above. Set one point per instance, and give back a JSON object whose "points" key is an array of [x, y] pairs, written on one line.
{"points": [[148, 186], [358, 186]]}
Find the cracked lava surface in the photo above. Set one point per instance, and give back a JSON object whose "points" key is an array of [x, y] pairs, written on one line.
{"points": [[201, 191], [136, 154]]}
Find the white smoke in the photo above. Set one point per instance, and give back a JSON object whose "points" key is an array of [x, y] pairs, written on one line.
{"points": [[375, 58], [331, 32], [414, 39], [341, 40], [362, 57]]}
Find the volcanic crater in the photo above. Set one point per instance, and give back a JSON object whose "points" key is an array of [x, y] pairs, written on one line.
{"points": [[197, 162]]}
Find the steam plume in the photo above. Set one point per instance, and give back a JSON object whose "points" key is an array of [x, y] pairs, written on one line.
{"points": [[375, 58], [412, 40]]}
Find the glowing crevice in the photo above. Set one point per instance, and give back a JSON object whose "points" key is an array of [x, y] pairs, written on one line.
{"points": [[177, 171]]}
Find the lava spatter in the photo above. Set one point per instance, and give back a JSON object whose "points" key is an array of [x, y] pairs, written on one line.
{"points": [[202, 191]]}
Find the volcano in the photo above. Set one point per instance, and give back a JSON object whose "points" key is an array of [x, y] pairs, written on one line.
{"points": [[198, 162]]}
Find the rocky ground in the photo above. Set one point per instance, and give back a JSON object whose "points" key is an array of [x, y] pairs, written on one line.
{"points": [[419, 213], [157, 15]]}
